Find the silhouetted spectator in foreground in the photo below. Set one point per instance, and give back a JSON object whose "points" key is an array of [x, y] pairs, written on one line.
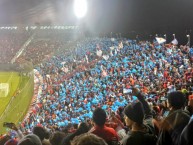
{"points": [[175, 122], [88, 139], [99, 129], [82, 128], [56, 138], [11, 142], [135, 113], [30, 139], [186, 137], [42, 133], [4, 139]]}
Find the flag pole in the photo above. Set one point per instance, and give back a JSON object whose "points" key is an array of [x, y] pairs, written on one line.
{"points": [[165, 38], [174, 36], [188, 36]]}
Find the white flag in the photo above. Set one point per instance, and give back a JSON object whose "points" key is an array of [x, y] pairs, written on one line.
{"points": [[63, 63], [127, 91], [112, 39], [111, 53], [65, 69], [86, 57], [112, 48], [120, 45], [160, 40], [175, 41], [106, 57], [99, 53]]}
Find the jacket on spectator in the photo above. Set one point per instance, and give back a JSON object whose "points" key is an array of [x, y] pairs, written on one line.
{"points": [[176, 120], [101, 130], [107, 133], [142, 138], [172, 127], [186, 137]]}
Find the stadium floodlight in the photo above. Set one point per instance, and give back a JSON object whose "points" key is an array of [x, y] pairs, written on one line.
{"points": [[80, 8]]}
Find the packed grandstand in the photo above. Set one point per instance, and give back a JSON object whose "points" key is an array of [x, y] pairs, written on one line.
{"points": [[115, 88]]}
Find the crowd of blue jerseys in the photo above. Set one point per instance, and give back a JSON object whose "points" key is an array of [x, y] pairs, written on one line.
{"points": [[74, 99]]}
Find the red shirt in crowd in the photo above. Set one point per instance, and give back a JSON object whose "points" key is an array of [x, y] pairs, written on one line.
{"points": [[107, 133]]}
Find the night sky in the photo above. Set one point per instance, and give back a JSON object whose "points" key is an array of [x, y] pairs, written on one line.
{"points": [[129, 17]]}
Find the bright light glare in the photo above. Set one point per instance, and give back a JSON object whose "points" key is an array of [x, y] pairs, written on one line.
{"points": [[80, 8]]}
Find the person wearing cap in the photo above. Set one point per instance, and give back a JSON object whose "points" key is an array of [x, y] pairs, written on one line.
{"points": [[175, 121], [138, 118]]}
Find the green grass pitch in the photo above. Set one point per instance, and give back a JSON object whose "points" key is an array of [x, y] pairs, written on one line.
{"points": [[13, 107]]}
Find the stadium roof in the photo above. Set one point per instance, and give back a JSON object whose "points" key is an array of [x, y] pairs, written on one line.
{"points": [[103, 15]]}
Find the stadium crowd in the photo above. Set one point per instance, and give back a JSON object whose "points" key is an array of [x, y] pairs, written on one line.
{"points": [[112, 91], [10, 43], [40, 48]]}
